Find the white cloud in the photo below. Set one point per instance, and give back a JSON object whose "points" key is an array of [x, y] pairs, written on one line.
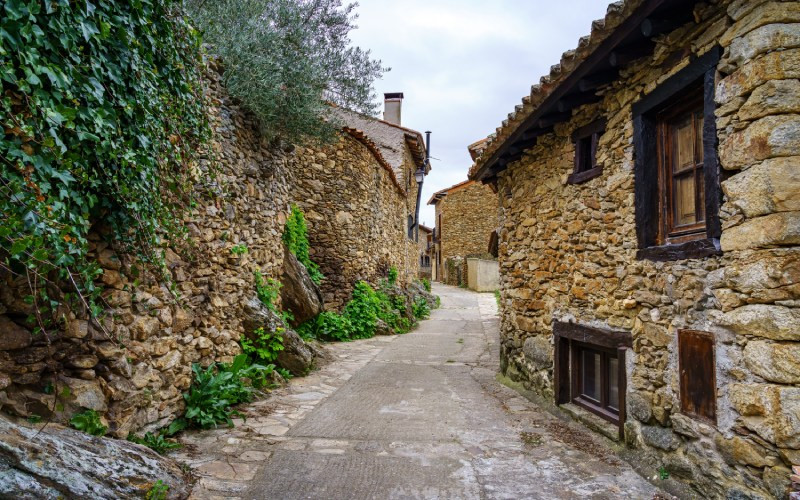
{"points": [[464, 65]]}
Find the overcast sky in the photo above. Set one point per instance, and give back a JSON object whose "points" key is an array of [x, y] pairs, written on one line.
{"points": [[464, 64]]}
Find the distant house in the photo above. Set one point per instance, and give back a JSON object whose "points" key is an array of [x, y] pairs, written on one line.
{"points": [[425, 251], [649, 238], [466, 217], [360, 197]]}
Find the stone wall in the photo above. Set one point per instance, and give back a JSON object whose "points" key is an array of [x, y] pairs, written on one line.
{"points": [[468, 217], [357, 211], [134, 370], [568, 253]]}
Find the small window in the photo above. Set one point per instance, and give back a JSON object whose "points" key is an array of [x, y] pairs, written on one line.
{"points": [[586, 140], [596, 380], [697, 374], [682, 177]]}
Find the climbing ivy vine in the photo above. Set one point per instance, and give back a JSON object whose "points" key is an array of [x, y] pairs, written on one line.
{"points": [[102, 114]]}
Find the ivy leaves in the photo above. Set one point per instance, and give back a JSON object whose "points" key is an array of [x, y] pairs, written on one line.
{"points": [[102, 112]]}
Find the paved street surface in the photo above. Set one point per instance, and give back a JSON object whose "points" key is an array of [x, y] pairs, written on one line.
{"points": [[419, 415]]}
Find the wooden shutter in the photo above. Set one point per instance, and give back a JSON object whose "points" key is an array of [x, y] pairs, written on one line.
{"points": [[698, 387]]}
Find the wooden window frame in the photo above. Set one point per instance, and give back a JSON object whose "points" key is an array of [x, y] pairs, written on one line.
{"points": [[653, 245], [587, 136], [683, 375], [602, 407], [566, 336]]}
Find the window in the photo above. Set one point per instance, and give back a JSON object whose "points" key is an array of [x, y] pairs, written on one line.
{"points": [[586, 140], [697, 374], [680, 153], [589, 369], [676, 169], [411, 227], [595, 381]]}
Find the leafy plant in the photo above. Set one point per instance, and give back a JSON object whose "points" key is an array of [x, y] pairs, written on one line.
{"points": [[392, 276], [157, 442], [663, 473], [421, 309], [268, 291], [103, 113], [362, 311], [158, 491], [215, 389], [426, 283], [286, 60], [497, 297], [266, 346], [295, 236], [34, 419], [239, 249], [89, 422], [283, 372]]}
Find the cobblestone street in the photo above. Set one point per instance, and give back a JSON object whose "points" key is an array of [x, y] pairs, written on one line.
{"points": [[419, 415]]}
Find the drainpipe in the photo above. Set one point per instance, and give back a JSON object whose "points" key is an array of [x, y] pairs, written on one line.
{"points": [[420, 178]]}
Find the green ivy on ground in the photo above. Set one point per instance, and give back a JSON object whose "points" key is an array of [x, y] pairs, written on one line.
{"points": [[103, 114], [295, 236]]}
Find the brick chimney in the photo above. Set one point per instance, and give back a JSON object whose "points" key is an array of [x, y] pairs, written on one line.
{"points": [[392, 106]]}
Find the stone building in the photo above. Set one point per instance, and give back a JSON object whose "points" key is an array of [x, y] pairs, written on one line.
{"points": [[360, 198], [650, 220], [466, 216], [425, 245]]}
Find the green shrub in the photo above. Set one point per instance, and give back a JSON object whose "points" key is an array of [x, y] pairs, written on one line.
{"points": [[362, 311], [287, 59], [88, 421], [265, 347], [158, 491], [215, 389], [268, 291], [239, 249], [295, 236], [393, 276], [157, 442], [327, 325], [103, 113], [426, 283], [421, 309]]}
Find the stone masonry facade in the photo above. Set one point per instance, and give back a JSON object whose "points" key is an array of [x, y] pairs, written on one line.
{"points": [[466, 216], [568, 253], [134, 367]]}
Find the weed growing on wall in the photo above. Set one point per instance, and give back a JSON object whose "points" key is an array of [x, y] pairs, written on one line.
{"points": [[265, 347], [392, 276], [89, 422], [426, 283], [103, 115], [295, 236]]}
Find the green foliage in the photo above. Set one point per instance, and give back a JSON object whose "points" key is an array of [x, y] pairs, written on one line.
{"points": [[268, 291], [295, 236], [239, 249], [362, 311], [266, 346], [103, 114], [427, 284], [327, 325], [283, 372], [438, 302], [421, 309], [392, 276], [286, 60], [215, 389], [88, 421], [663, 473], [34, 419], [497, 297], [158, 491], [158, 442]]}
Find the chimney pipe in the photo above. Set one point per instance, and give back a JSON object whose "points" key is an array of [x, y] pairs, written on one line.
{"points": [[392, 106]]}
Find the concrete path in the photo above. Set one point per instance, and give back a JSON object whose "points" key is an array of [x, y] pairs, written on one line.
{"points": [[414, 416]]}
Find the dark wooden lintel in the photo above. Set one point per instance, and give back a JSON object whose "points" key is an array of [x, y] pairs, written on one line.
{"points": [[626, 55], [573, 101], [696, 249], [553, 118], [602, 337], [579, 177], [595, 80]]}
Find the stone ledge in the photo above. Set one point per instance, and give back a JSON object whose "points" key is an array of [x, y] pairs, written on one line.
{"points": [[591, 421]]}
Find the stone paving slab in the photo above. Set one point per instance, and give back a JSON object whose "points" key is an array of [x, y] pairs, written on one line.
{"points": [[420, 415]]}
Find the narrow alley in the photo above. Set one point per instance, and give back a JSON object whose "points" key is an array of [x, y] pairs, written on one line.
{"points": [[419, 415]]}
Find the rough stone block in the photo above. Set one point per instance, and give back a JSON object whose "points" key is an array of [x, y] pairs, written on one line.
{"points": [[660, 437], [772, 186], [748, 399], [13, 336], [764, 39], [538, 350], [780, 229], [774, 361], [780, 65], [763, 320], [771, 13], [773, 98], [768, 137], [739, 451]]}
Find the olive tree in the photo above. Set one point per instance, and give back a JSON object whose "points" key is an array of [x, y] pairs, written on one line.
{"points": [[288, 61]]}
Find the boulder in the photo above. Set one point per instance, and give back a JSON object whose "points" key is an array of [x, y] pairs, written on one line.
{"points": [[59, 462], [296, 356], [381, 328], [299, 294]]}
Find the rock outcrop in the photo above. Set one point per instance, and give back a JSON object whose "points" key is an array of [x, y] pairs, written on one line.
{"points": [[64, 463], [299, 294], [296, 356]]}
